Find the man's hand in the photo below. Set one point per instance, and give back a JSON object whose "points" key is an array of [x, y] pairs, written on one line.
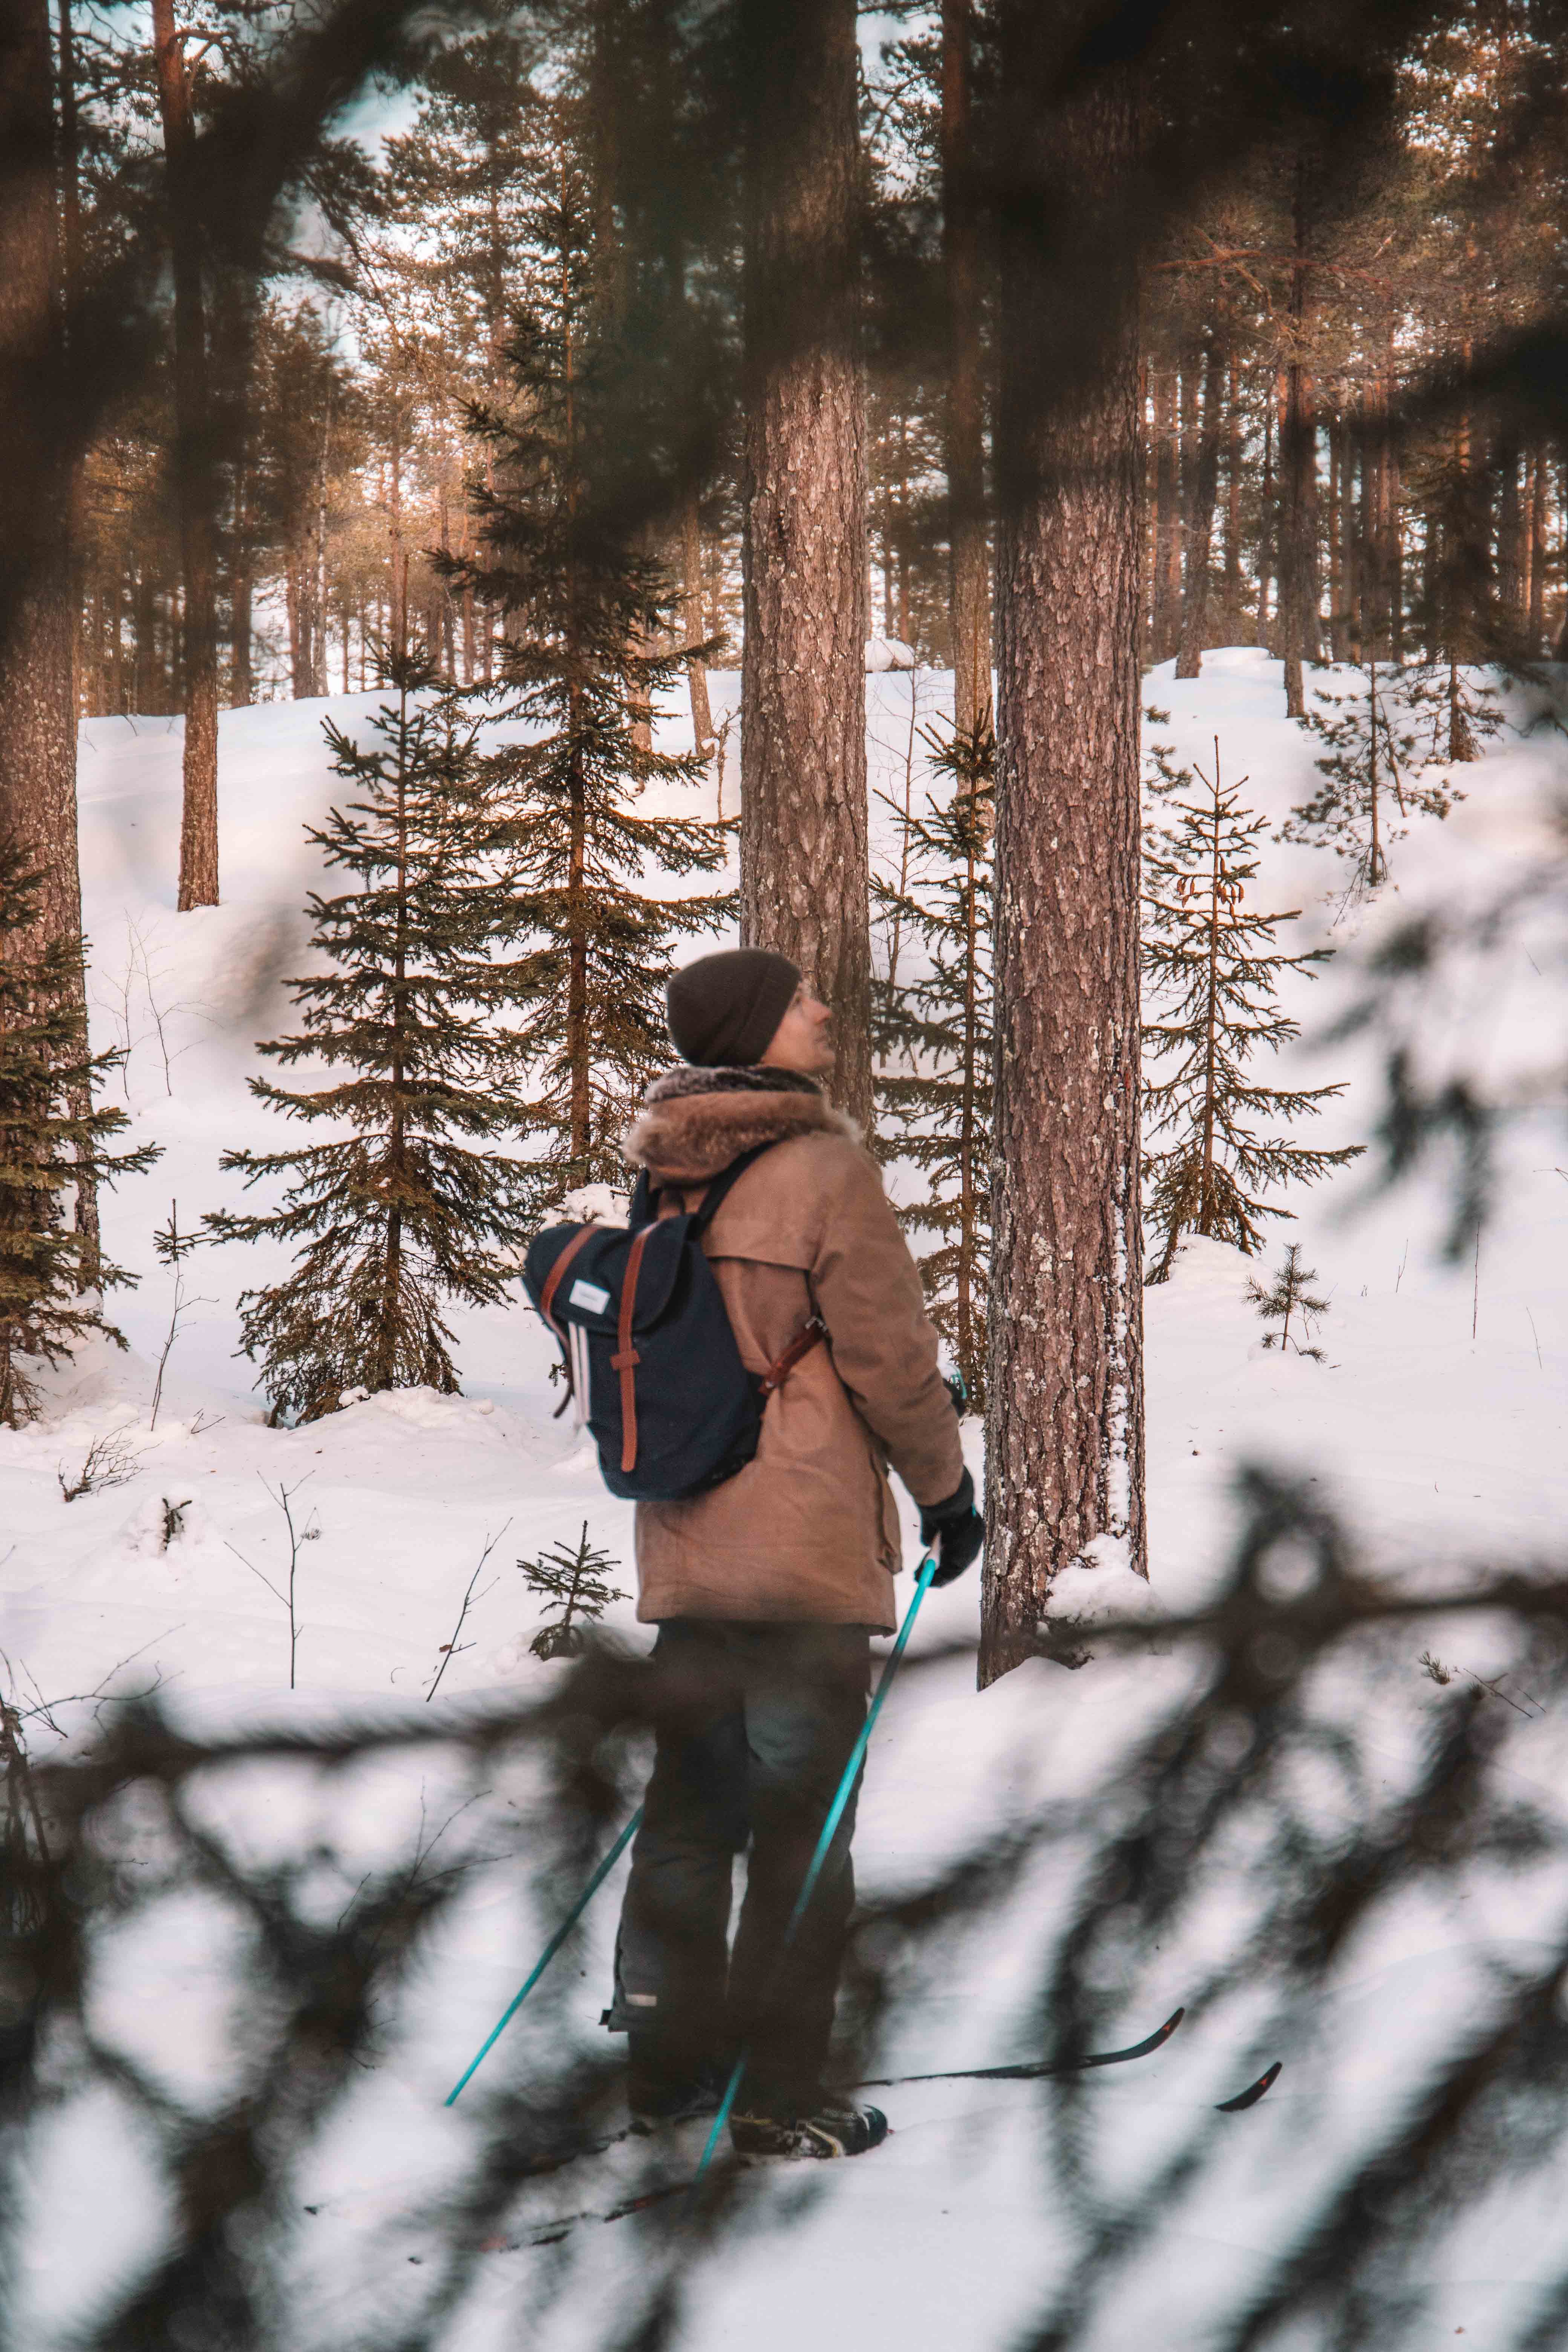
{"points": [[956, 1529]]}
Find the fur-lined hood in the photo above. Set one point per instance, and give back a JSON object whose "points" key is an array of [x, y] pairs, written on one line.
{"points": [[694, 1122]]}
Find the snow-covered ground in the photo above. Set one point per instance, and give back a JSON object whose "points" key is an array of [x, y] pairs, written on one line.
{"points": [[1437, 1423]]}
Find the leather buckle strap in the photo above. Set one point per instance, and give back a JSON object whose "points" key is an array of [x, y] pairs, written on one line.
{"points": [[547, 1296], [626, 1358], [805, 1340]]}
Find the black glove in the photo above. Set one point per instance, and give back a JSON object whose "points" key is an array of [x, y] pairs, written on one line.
{"points": [[957, 1530]]}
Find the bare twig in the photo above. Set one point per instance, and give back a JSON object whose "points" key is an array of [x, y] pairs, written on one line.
{"points": [[452, 1649], [42, 1710], [309, 1533], [267, 1580], [109, 1463], [174, 1248]]}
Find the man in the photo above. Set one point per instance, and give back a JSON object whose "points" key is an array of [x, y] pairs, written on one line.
{"points": [[766, 1590]]}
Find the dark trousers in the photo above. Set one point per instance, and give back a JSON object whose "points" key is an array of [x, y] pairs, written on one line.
{"points": [[756, 1725]]}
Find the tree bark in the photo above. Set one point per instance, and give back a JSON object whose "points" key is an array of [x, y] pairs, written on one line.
{"points": [[1167, 536], [1344, 540], [38, 623], [1200, 530], [1065, 1428], [1535, 642], [691, 602], [1509, 543], [1234, 615], [1297, 458], [195, 474], [803, 880], [970, 567], [1268, 533]]}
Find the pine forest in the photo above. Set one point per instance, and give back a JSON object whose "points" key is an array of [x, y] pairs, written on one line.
{"points": [[1049, 520]]}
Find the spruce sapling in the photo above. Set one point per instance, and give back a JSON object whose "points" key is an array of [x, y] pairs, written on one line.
{"points": [[587, 610], [1372, 776], [1455, 708], [1287, 1295], [1213, 969], [398, 1216], [574, 1582], [940, 1116], [51, 1140]]}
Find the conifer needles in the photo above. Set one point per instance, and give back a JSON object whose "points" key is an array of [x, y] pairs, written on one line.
{"points": [[1212, 970]]}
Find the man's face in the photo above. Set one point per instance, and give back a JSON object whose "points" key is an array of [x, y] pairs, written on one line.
{"points": [[804, 1038]]}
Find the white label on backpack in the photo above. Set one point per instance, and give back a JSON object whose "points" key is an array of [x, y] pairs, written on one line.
{"points": [[590, 1296]]}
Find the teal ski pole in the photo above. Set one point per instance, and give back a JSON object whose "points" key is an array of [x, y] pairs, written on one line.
{"points": [[554, 1946], [814, 1870]]}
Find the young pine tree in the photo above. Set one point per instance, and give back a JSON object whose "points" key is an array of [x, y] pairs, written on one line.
{"points": [[587, 610], [1286, 1295], [1373, 771], [1212, 970], [577, 1586], [939, 1115], [401, 1213], [48, 1142]]}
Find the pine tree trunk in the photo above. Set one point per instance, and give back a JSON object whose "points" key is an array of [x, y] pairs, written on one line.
{"points": [[1342, 600], [1509, 579], [1167, 544], [392, 1283], [1065, 1428], [1234, 615], [691, 596], [1211, 1027], [398, 554], [968, 1143], [196, 477], [241, 585], [292, 605], [40, 508], [1200, 533], [1298, 459], [1390, 536], [803, 879], [580, 1109], [1535, 639], [1268, 533], [970, 569], [37, 625]]}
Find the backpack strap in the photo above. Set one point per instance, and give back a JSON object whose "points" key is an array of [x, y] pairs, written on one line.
{"points": [[626, 1358], [645, 1194], [719, 1189], [805, 1340], [547, 1296]]}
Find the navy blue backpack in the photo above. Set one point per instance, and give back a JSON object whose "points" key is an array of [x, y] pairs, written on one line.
{"points": [[649, 1348]]}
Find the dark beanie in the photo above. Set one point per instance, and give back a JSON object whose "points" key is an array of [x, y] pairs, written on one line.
{"points": [[724, 1009]]}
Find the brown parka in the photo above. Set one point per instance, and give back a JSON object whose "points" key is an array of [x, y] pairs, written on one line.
{"points": [[808, 1529]]}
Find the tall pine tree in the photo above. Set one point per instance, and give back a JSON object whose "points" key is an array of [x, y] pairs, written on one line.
{"points": [[402, 1213], [939, 1113], [591, 639], [51, 1137], [1212, 970]]}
